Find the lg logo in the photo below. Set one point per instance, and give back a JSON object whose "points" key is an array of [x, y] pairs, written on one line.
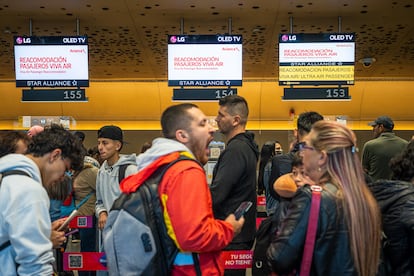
{"points": [[288, 37], [23, 40], [175, 39]]}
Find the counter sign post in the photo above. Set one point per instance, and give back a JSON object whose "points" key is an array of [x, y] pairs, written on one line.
{"points": [[329, 93]]}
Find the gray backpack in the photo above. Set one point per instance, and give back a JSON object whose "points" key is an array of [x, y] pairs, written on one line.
{"points": [[136, 241]]}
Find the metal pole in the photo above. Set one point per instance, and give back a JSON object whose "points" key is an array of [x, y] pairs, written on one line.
{"points": [[77, 26], [30, 27], [182, 25], [230, 25], [291, 24], [339, 24]]}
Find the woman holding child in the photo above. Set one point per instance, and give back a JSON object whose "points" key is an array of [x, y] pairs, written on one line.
{"points": [[349, 224]]}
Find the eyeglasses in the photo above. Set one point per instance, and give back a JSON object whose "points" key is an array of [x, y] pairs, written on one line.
{"points": [[68, 170], [302, 146]]}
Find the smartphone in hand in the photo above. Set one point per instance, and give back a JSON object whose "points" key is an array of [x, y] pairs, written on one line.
{"points": [[242, 209], [68, 219]]}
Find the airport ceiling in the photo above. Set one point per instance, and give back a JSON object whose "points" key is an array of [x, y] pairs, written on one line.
{"points": [[128, 38]]}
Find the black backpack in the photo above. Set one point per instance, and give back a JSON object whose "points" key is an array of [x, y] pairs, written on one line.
{"points": [[136, 241], [121, 172], [264, 235], [263, 238]]}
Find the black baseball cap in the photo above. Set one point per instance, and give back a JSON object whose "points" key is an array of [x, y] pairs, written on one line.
{"points": [[386, 121], [111, 132]]}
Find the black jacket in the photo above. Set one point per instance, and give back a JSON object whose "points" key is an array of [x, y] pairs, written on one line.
{"points": [[396, 200], [234, 181], [332, 255], [281, 164]]}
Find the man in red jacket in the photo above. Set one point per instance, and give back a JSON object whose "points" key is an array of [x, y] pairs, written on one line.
{"points": [[184, 192]]}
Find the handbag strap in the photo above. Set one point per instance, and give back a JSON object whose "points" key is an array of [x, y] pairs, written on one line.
{"points": [[83, 200], [311, 231]]}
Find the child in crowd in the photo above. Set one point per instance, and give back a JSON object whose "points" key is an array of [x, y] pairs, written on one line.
{"points": [[285, 187]]}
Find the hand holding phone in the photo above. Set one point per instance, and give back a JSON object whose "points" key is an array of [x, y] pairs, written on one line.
{"points": [[68, 219], [242, 209]]}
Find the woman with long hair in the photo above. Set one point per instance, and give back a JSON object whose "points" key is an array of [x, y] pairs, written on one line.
{"points": [[349, 225], [265, 165]]}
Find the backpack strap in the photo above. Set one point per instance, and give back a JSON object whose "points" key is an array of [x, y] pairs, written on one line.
{"points": [[2, 175], [197, 264], [121, 172], [11, 172], [5, 245], [184, 156]]}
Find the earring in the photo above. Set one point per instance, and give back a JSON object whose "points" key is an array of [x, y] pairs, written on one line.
{"points": [[319, 169]]}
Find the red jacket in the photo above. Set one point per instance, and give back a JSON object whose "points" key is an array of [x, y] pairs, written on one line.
{"points": [[188, 214]]}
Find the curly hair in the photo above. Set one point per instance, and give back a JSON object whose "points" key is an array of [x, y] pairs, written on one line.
{"points": [[56, 137], [9, 140], [402, 165]]}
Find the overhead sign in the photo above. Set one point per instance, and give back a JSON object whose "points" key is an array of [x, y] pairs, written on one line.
{"points": [[315, 59], [202, 94], [330, 93], [205, 60], [51, 61], [54, 95]]}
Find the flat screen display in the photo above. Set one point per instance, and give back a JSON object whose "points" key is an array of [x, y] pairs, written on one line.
{"points": [[205, 60], [51, 61], [316, 59]]}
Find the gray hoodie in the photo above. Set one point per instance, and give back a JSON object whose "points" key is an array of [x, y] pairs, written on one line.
{"points": [[107, 182], [24, 220], [160, 147]]}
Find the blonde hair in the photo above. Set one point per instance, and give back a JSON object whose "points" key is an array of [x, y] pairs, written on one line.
{"points": [[361, 211]]}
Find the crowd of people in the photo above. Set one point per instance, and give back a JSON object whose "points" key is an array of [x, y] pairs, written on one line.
{"points": [[365, 223]]}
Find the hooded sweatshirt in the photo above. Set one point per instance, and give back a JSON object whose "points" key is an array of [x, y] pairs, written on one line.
{"points": [[24, 220], [234, 181], [187, 206], [107, 182]]}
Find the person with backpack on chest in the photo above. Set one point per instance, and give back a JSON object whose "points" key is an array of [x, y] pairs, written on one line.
{"points": [[185, 199], [110, 142]]}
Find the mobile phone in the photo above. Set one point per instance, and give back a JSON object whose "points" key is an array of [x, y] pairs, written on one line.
{"points": [[68, 219], [242, 209]]}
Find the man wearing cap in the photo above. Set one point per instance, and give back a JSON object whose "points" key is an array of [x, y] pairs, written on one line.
{"points": [[110, 142], [378, 152]]}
